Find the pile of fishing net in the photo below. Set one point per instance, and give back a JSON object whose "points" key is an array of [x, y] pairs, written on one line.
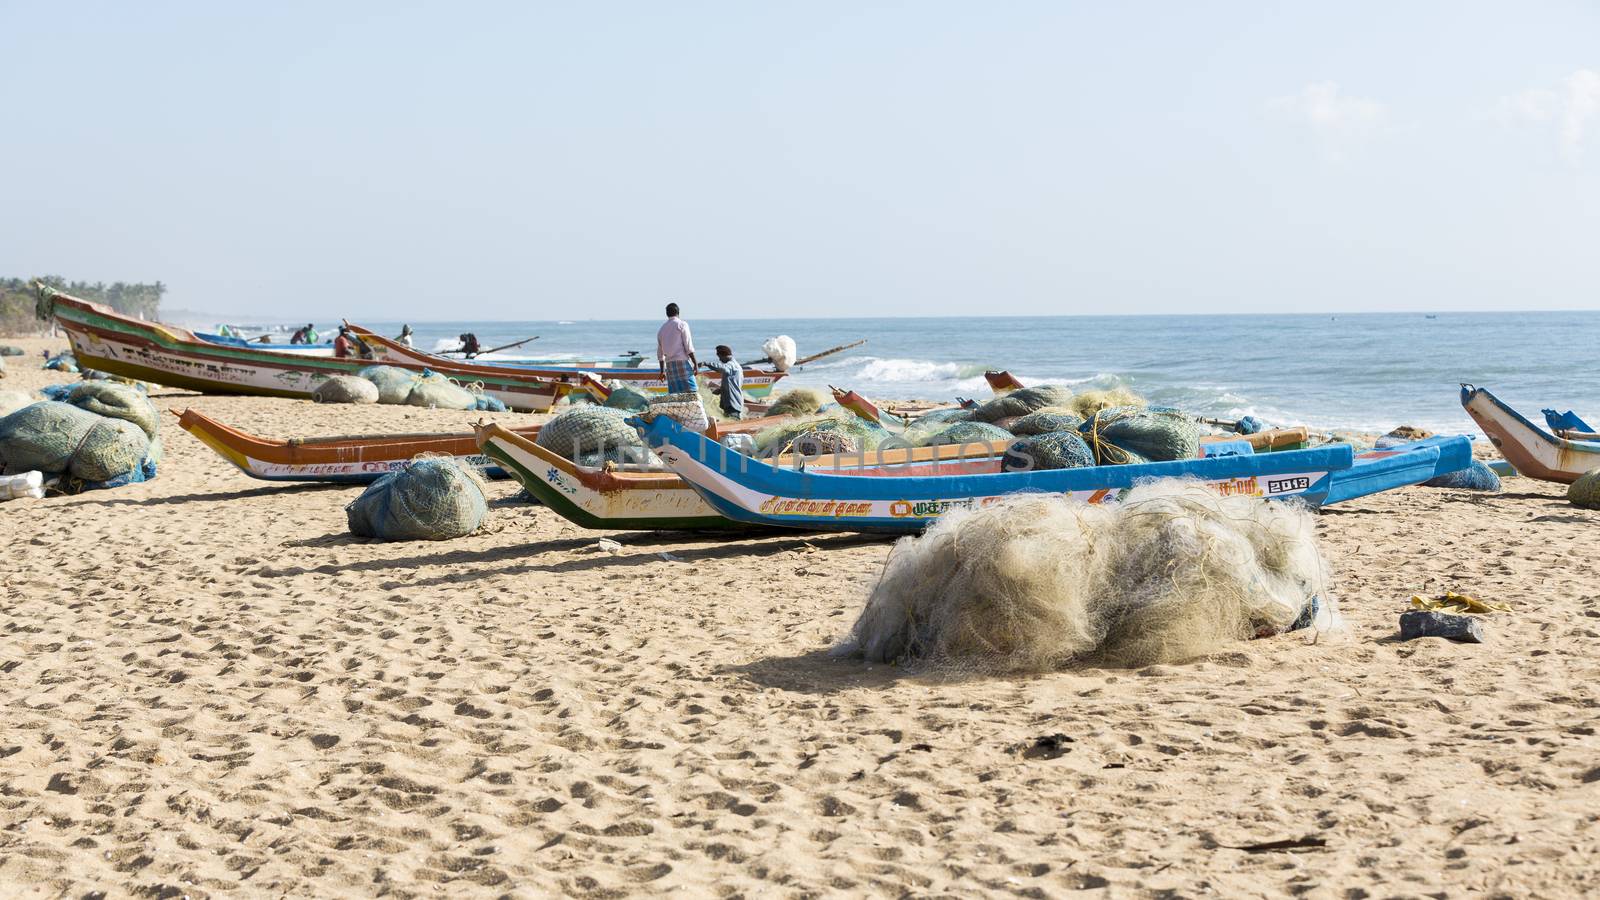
{"points": [[99, 435], [431, 499], [345, 389], [626, 398], [426, 388], [1036, 583], [11, 350], [1064, 449], [62, 362], [968, 432], [1131, 434], [1585, 491], [1021, 401], [436, 391], [394, 383], [1087, 403], [797, 402], [1044, 421], [847, 432], [593, 436], [1475, 477]]}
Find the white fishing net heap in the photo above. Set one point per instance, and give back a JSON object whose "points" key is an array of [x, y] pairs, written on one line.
{"points": [[1037, 583]]}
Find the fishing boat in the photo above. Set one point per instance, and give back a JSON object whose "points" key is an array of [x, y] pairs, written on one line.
{"points": [[662, 500], [1531, 450], [111, 342], [357, 459], [758, 382], [346, 459], [492, 359], [756, 493]]}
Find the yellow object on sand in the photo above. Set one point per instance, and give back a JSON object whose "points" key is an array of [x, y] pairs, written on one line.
{"points": [[1453, 602]]}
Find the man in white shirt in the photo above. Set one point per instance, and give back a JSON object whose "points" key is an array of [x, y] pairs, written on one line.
{"points": [[675, 352]]}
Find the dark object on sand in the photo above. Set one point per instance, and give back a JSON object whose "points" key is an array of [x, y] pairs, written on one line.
{"points": [[1417, 624], [1051, 746]]}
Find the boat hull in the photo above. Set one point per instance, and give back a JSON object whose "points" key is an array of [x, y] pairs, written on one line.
{"points": [[750, 491], [146, 351], [351, 460], [1530, 449], [758, 383], [663, 501]]}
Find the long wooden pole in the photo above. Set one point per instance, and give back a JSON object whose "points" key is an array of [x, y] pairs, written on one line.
{"points": [[815, 356]]}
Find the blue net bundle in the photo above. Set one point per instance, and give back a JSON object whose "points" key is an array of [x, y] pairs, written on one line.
{"points": [[431, 499], [1476, 477]]}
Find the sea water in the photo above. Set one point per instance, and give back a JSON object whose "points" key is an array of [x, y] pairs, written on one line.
{"points": [[1346, 371]]}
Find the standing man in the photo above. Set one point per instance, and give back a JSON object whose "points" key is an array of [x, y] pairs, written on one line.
{"points": [[675, 352]]}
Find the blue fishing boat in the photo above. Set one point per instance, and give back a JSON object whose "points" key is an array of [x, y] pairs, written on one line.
{"points": [[749, 490]]}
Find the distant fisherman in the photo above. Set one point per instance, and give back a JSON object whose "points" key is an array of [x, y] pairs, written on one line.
{"points": [[306, 335], [732, 388], [344, 345], [675, 352], [469, 345], [405, 336]]}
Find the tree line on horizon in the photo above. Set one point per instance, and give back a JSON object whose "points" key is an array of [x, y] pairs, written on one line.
{"points": [[130, 298]]}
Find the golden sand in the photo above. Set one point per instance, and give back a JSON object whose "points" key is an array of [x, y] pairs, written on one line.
{"points": [[207, 688]]}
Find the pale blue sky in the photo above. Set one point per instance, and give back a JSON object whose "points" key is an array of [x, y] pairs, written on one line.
{"points": [[511, 161]]}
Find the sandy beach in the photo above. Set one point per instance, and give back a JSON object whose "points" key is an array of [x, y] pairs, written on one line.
{"points": [[210, 689]]}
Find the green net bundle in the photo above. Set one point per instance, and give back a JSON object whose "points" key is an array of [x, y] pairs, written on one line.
{"points": [[1052, 450], [863, 435], [345, 389], [62, 439], [394, 383], [432, 499], [797, 402], [436, 391], [1022, 401], [1044, 421], [1585, 492], [626, 398], [959, 433], [580, 430], [943, 416], [1128, 434], [116, 401]]}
